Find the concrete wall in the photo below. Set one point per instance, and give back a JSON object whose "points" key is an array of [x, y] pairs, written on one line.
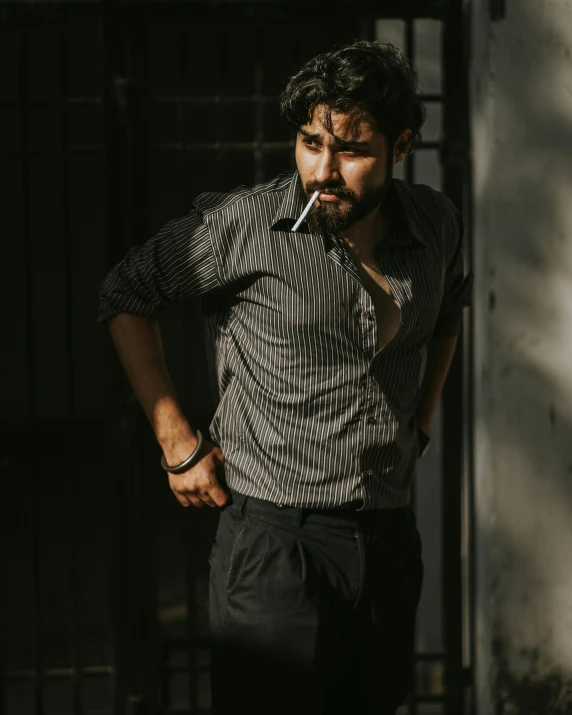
{"points": [[522, 157]]}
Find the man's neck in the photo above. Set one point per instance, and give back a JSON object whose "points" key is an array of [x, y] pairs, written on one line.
{"points": [[366, 235]]}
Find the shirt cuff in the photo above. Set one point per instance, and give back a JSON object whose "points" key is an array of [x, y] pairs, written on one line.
{"points": [[106, 311]]}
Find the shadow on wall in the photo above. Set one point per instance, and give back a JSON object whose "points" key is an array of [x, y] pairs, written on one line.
{"points": [[523, 320]]}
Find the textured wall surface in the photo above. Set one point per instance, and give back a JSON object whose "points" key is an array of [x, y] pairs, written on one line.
{"points": [[522, 158]]}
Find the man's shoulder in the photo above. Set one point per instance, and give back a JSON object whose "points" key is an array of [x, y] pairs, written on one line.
{"points": [[259, 197], [431, 215], [423, 198]]}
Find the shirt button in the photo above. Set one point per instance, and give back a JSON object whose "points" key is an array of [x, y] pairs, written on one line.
{"points": [[371, 420]]}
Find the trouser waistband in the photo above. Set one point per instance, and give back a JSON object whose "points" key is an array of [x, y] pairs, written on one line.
{"points": [[351, 515]]}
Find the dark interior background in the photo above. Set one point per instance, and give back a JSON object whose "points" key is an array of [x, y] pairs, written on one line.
{"points": [[113, 116]]}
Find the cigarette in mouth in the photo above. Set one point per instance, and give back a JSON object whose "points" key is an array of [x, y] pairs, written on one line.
{"points": [[305, 211]]}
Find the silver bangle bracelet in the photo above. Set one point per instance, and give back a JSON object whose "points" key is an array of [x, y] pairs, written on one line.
{"points": [[183, 466]]}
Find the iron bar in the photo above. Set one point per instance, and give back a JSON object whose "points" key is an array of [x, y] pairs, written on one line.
{"points": [[219, 118], [37, 607], [455, 130], [65, 193], [189, 668], [113, 36], [170, 99], [259, 144], [410, 160], [55, 673], [184, 45], [47, 104], [56, 152], [409, 169], [191, 604], [73, 611], [169, 146], [30, 354], [468, 497], [217, 11], [26, 220]]}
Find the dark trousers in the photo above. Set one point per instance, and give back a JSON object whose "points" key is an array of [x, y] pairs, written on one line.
{"points": [[312, 613]]}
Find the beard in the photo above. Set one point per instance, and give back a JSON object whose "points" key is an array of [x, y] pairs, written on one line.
{"points": [[334, 218]]}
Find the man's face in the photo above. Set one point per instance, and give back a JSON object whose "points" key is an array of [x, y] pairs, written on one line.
{"points": [[351, 166]]}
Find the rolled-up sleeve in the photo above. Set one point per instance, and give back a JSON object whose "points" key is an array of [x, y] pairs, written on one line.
{"points": [[177, 263], [458, 285]]}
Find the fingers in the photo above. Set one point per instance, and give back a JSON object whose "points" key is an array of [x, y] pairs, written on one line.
{"points": [[188, 498], [182, 499], [218, 495], [213, 494], [200, 492], [206, 499], [196, 501]]}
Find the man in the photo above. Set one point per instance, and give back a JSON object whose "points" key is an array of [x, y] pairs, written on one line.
{"points": [[333, 343]]}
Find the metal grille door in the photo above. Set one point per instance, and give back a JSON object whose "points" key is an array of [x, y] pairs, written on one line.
{"points": [[114, 116]]}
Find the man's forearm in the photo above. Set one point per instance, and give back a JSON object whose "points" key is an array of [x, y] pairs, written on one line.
{"points": [[140, 350], [440, 353]]}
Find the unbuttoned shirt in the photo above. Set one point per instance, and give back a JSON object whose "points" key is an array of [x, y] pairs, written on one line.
{"points": [[310, 413]]}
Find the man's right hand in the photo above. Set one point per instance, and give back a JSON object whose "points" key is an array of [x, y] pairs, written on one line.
{"points": [[199, 485]]}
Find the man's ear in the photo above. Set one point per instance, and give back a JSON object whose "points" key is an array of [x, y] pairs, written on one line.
{"points": [[402, 146]]}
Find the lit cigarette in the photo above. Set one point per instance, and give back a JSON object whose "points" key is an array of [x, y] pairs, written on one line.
{"points": [[305, 211]]}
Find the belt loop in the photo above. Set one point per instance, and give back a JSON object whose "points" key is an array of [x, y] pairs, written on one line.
{"points": [[240, 501]]}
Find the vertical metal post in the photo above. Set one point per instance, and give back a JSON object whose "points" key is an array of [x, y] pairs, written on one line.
{"points": [[191, 605], [455, 161], [410, 178], [3, 648], [37, 611], [133, 581], [26, 218], [220, 154], [184, 159], [118, 231], [468, 541], [26, 203], [65, 193], [73, 543], [186, 82], [259, 105], [410, 52]]}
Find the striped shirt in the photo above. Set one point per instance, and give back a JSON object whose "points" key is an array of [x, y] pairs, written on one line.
{"points": [[311, 413]]}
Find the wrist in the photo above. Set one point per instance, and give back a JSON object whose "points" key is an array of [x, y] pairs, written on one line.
{"points": [[178, 444], [183, 465]]}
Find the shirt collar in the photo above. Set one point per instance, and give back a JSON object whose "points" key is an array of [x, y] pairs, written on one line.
{"points": [[408, 210], [293, 204], [291, 207]]}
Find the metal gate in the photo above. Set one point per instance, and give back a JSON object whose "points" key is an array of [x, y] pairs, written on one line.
{"points": [[114, 115]]}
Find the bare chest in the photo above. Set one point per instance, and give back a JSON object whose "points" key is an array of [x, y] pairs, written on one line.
{"points": [[386, 306]]}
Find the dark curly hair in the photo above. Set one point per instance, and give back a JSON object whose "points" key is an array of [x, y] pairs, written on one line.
{"points": [[374, 76]]}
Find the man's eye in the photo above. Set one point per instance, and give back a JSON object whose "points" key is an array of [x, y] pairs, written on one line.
{"points": [[310, 142]]}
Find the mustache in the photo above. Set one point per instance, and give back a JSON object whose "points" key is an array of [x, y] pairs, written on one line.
{"points": [[340, 191]]}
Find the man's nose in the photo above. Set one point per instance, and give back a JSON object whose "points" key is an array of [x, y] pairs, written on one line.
{"points": [[327, 168]]}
